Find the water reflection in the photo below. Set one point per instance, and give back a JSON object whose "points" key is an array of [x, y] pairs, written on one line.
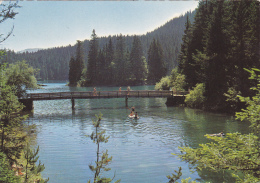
{"points": [[139, 147]]}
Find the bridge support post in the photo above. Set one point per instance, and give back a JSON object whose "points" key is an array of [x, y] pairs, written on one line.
{"points": [[126, 101], [73, 104], [28, 103]]}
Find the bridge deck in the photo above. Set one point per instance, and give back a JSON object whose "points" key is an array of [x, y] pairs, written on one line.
{"points": [[103, 94]]}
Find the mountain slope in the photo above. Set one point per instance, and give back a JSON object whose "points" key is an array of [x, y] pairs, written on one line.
{"points": [[54, 62]]}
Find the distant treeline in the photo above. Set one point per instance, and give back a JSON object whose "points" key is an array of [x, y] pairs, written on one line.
{"points": [[54, 62]]}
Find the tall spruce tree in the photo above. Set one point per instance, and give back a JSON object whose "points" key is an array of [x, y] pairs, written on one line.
{"points": [[183, 61], [156, 64], [101, 67], [137, 65], [79, 62], [109, 56], [72, 72], [92, 59], [193, 46], [216, 51], [120, 61]]}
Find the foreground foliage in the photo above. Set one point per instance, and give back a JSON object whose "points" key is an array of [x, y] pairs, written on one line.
{"points": [[7, 11], [6, 174], [14, 134], [196, 97], [102, 161], [21, 77]]}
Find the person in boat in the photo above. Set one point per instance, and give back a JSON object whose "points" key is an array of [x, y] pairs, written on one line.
{"points": [[132, 113], [136, 115]]}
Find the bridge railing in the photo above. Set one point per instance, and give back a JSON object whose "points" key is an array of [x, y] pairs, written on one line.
{"points": [[102, 94]]}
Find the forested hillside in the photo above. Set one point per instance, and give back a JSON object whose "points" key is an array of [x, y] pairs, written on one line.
{"points": [[54, 62]]}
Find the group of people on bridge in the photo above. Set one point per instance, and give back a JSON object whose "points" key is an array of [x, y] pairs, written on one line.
{"points": [[120, 90]]}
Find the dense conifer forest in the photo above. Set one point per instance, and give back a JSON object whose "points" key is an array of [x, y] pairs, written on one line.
{"points": [[220, 61], [54, 62], [222, 42]]}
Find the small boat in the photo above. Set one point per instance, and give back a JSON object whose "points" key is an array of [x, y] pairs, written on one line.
{"points": [[221, 134], [133, 117]]}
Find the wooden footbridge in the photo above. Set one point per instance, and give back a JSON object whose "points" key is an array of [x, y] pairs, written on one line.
{"points": [[29, 98]]}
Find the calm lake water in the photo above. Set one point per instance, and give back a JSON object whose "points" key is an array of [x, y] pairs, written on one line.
{"points": [[141, 149]]}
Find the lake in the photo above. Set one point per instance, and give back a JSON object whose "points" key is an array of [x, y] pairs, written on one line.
{"points": [[141, 149]]}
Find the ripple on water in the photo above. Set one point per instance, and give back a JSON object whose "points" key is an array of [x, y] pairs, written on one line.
{"points": [[141, 149]]}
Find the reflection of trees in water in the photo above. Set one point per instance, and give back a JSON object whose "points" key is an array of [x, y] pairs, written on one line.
{"points": [[198, 123]]}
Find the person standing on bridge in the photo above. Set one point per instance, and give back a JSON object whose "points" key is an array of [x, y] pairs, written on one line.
{"points": [[94, 91], [128, 90], [120, 90]]}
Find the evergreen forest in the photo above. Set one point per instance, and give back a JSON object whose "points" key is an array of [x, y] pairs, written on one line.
{"points": [[219, 48], [212, 52], [54, 62]]}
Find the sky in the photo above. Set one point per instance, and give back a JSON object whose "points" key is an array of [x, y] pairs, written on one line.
{"points": [[47, 24]]}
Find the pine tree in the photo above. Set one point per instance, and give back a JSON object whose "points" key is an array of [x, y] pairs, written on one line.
{"points": [[120, 61], [98, 137], [156, 64], [192, 62], [137, 65], [216, 51], [101, 67], [79, 62], [31, 170], [12, 139], [109, 57], [92, 59], [72, 72], [183, 61]]}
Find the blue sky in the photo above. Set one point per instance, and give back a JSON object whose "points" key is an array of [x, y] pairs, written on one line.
{"points": [[46, 24]]}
